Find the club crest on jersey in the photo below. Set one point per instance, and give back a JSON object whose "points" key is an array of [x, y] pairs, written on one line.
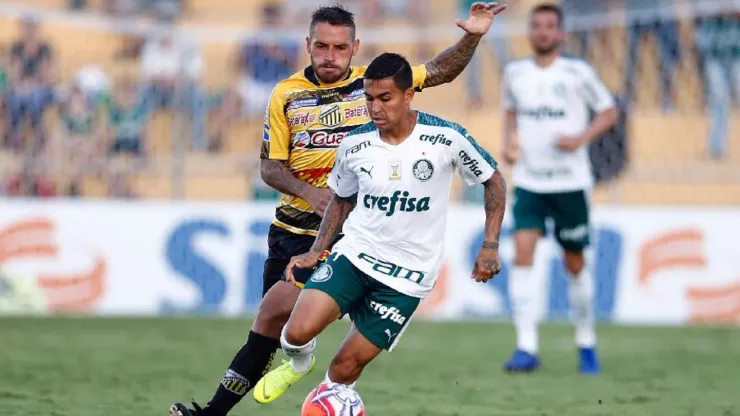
{"points": [[331, 116], [322, 274], [394, 170], [423, 170]]}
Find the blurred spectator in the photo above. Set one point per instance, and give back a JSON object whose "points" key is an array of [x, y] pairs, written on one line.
{"points": [[718, 42], [656, 17], [127, 116], [581, 24], [261, 63], [93, 81], [77, 145], [30, 182], [499, 46], [172, 64], [77, 4], [132, 7], [415, 12], [3, 90], [30, 91]]}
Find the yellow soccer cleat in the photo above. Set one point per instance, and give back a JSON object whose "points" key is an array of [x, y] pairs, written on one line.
{"points": [[278, 381]]}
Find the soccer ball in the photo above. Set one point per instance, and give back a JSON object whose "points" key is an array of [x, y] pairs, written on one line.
{"points": [[332, 399]]}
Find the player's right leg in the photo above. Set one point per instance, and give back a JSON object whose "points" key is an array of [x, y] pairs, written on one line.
{"points": [[255, 357], [530, 212]]}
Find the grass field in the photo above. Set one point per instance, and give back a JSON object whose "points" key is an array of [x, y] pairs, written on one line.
{"points": [[94, 367]]}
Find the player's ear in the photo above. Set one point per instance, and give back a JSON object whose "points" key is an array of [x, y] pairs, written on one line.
{"points": [[308, 44], [408, 95], [356, 47]]}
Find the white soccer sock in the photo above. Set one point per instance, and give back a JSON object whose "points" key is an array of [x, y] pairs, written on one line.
{"points": [[328, 380], [300, 356], [581, 295], [523, 295]]}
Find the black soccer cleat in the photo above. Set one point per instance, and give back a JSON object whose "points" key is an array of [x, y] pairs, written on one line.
{"points": [[179, 409]]}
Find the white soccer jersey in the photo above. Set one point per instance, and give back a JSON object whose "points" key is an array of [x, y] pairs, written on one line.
{"points": [[550, 103], [396, 232]]}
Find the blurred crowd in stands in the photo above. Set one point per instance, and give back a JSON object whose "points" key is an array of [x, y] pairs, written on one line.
{"points": [[99, 116]]}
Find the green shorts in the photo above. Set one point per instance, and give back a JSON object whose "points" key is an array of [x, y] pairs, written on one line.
{"points": [[379, 312], [568, 210]]}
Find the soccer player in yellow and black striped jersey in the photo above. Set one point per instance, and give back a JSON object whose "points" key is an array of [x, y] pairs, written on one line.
{"points": [[306, 119]]}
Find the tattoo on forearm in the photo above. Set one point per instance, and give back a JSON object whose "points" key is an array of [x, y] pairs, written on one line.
{"points": [[451, 62], [495, 203], [331, 224], [279, 177], [490, 244]]}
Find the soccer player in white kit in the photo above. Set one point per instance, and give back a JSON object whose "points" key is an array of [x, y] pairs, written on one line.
{"points": [[547, 100], [391, 180]]}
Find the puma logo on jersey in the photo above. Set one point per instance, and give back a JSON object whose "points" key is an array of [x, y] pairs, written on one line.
{"points": [[369, 172], [440, 138], [398, 201], [470, 163]]}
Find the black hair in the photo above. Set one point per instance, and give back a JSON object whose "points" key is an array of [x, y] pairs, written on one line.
{"points": [[391, 65], [335, 16], [549, 8]]}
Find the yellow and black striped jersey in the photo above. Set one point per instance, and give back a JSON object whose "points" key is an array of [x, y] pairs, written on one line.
{"points": [[305, 122]]}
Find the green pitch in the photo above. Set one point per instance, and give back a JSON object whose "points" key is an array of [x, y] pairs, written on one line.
{"points": [[137, 367]]}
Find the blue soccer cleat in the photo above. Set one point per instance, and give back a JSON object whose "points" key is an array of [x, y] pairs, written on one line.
{"points": [[588, 361], [522, 362]]}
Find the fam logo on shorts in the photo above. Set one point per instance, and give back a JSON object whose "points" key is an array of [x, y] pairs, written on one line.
{"points": [[423, 170], [322, 274]]}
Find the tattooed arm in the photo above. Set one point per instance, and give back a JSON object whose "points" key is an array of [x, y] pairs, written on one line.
{"points": [[277, 175], [495, 202], [446, 66], [488, 262], [450, 63], [336, 213], [331, 225]]}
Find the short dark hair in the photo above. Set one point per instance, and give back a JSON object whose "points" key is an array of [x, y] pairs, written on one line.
{"points": [[391, 65], [549, 8], [335, 16]]}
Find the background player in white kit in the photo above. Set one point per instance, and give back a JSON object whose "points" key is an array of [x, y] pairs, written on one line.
{"points": [[392, 186], [547, 99]]}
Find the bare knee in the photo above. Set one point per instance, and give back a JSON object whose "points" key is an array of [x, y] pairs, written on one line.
{"points": [[345, 368], [574, 262], [275, 310], [299, 331]]}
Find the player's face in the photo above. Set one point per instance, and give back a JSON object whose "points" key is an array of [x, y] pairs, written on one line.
{"points": [[331, 49], [545, 35], [386, 103]]}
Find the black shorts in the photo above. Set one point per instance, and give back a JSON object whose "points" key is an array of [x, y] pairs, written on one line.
{"points": [[282, 246]]}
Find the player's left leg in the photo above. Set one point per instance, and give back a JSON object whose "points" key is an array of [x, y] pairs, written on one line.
{"points": [[571, 215], [378, 323], [355, 353]]}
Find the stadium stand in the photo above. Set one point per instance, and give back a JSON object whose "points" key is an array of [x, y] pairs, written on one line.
{"points": [[667, 154]]}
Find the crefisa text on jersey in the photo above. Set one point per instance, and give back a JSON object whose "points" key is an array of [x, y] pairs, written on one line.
{"points": [[440, 138]]}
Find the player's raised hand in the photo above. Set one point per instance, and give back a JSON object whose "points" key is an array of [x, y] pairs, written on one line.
{"points": [[304, 261], [570, 143], [487, 264], [480, 18], [319, 198]]}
